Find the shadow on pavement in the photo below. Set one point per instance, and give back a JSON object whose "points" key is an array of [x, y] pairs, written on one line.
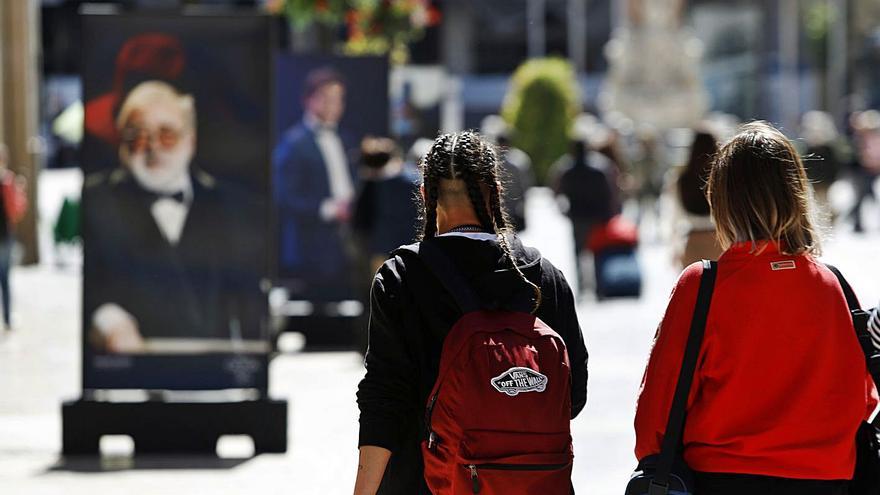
{"points": [[109, 464]]}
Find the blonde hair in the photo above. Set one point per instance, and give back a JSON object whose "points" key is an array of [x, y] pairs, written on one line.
{"points": [[150, 92], [758, 191]]}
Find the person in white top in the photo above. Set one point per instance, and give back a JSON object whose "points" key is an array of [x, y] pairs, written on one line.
{"points": [[170, 251], [874, 326], [315, 183]]}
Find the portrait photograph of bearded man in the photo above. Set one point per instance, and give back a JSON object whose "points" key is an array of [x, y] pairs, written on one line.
{"points": [[174, 207], [159, 265]]}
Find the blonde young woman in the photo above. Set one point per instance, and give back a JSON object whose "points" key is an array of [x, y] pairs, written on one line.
{"points": [[781, 386]]}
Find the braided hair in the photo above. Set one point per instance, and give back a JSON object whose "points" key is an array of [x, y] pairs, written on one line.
{"points": [[466, 156]]}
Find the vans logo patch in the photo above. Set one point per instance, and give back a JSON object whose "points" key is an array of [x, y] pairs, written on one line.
{"points": [[783, 265], [518, 379]]}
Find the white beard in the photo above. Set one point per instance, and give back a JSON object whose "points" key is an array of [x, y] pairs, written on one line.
{"points": [[171, 177]]}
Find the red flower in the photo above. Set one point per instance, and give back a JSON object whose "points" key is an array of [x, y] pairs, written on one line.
{"points": [[434, 16], [352, 17]]}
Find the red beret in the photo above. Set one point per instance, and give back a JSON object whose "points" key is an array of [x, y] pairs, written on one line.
{"points": [[144, 56]]}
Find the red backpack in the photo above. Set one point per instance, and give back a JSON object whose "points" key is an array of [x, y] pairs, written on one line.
{"points": [[498, 417]]}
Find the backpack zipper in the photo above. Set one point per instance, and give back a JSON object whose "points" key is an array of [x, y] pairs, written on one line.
{"points": [[475, 479], [432, 437]]}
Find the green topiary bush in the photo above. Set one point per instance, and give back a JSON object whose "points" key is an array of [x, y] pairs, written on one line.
{"points": [[540, 106]]}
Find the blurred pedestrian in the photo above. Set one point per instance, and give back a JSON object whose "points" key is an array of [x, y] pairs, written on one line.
{"points": [[776, 316], [649, 171], [411, 314], [13, 204], [867, 161], [385, 214], [607, 142], [67, 231], [823, 155], [584, 192], [695, 224], [874, 326], [517, 176]]}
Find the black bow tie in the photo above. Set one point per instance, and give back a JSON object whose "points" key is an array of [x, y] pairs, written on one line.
{"points": [[176, 196]]}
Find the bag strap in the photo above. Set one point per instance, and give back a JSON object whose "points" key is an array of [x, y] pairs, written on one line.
{"points": [[860, 325], [450, 277], [851, 300], [675, 423]]}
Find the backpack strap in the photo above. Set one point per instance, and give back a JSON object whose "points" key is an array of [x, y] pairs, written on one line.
{"points": [[860, 324], [449, 276], [675, 423]]}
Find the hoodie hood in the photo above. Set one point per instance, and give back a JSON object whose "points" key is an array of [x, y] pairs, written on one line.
{"points": [[495, 282]]}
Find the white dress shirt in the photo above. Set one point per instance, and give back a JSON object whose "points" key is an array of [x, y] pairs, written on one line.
{"points": [[336, 161], [170, 214]]}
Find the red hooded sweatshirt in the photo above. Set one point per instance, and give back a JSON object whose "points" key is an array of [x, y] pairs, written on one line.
{"points": [[781, 384]]}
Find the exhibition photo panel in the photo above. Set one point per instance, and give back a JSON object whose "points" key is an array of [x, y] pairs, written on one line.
{"points": [[175, 202], [324, 107]]}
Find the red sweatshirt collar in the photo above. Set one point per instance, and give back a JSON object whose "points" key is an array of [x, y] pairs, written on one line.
{"points": [[750, 249]]}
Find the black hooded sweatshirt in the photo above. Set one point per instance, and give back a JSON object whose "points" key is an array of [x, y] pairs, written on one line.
{"points": [[410, 315]]}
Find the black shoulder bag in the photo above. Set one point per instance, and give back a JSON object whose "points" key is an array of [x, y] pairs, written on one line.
{"points": [[866, 478], [667, 473]]}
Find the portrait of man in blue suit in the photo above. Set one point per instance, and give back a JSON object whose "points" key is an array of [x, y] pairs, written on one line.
{"points": [[315, 181]]}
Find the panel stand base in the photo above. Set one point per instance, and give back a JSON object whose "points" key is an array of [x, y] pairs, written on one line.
{"points": [[327, 332], [173, 427]]}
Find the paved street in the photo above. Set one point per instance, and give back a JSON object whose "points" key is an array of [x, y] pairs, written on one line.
{"points": [[39, 367]]}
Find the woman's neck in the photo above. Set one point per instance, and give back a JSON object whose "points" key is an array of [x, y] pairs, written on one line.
{"points": [[448, 219]]}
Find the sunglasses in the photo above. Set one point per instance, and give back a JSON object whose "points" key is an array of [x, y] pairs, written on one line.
{"points": [[137, 139]]}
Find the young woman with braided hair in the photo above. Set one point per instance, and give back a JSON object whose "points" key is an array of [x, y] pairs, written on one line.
{"points": [[411, 313]]}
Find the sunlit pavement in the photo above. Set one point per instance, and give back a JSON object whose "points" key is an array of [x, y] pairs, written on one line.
{"points": [[40, 366]]}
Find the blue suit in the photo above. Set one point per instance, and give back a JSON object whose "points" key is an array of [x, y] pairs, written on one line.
{"points": [[311, 249]]}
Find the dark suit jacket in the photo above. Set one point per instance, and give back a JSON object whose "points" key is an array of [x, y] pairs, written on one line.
{"points": [[207, 286], [310, 247]]}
